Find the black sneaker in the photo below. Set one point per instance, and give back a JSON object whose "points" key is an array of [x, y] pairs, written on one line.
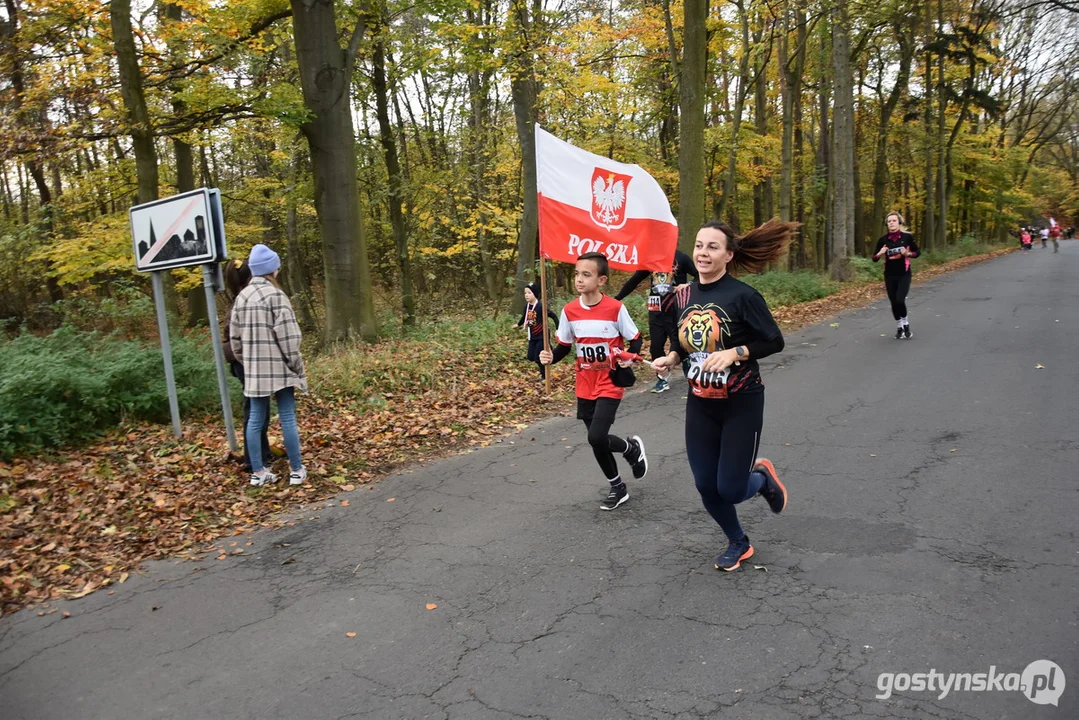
{"points": [[615, 497], [733, 556], [906, 332], [772, 490], [899, 333], [636, 457]]}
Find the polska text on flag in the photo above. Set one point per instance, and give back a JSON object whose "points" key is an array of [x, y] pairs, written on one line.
{"points": [[589, 203]]}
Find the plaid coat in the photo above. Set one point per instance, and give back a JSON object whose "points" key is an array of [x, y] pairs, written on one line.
{"points": [[265, 337]]}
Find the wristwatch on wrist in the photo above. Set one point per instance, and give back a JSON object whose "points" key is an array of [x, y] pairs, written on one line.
{"points": [[740, 351]]}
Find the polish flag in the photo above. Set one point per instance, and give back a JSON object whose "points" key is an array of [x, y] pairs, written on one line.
{"points": [[588, 203]]}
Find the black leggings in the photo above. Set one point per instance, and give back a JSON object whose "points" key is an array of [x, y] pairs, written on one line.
{"points": [[898, 286], [598, 416], [722, 437], [661, 327]]}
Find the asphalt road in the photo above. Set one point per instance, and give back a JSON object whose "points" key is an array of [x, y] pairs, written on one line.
{"points": [[931, 526]]}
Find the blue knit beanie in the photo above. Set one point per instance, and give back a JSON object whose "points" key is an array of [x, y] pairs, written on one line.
{"points": [[263, 261]]}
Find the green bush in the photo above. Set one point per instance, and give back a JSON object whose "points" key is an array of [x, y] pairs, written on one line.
{"points": [[865, 270], [71, 385], [789, 288]]}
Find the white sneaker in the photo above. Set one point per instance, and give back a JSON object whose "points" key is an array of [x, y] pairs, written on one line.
{"points": [[297, 477], [265, 478]]}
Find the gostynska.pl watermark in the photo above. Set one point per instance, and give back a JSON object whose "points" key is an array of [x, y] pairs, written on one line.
{"points": [[1041, 682]]}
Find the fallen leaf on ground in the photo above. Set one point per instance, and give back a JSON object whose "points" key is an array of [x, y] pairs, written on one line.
{"points": [[344, 503], [431, 606], [350, 634], [1039, 366], [390, 499]]}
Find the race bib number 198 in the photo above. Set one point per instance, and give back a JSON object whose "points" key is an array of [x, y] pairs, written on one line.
{"points": [[595, 356], [709, 385]]}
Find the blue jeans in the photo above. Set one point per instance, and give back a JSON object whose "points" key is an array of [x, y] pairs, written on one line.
{"points": [[260, 415], [238, 373]]}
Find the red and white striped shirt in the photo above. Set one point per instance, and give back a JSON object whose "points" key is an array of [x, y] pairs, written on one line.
{"points": [[598, 331]]}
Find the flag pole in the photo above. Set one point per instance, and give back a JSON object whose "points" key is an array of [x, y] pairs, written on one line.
{"points": [[542, 273], [546, 336]]}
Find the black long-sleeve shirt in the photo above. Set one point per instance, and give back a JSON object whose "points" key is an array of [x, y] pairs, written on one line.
{"points": [[718, 316], [661, 289], [532, 318], [894, 262]]}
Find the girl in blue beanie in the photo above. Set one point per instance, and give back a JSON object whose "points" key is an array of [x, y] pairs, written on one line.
{"points": [[265, 337]]}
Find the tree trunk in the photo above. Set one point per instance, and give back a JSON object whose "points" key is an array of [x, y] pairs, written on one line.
{"points": [[842, 170], [325, 78], [671, 90], [197, 311], [140, 126], [880, 166], [523, 92], [691, 122], [928, 228], [479, 87], [393, 169], [726, 205], [297, 269], [942, 106], [786, 160], [799, 136]]}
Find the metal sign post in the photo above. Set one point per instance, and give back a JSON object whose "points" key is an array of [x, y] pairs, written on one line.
{"points": [[208, 284], [180, 231], [166, 350]]}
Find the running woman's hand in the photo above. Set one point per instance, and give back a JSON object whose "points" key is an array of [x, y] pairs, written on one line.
{"points": [[546, 357], [666, 362], [719, 361]]}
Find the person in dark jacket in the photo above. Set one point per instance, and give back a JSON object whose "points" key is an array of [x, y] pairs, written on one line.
{"points": [[533, 319], [660, 301], [237, 276]]}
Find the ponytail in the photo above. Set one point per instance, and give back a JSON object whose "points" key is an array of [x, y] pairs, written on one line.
{"points": [[758, 247]]}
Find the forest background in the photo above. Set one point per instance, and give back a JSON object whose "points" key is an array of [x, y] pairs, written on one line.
{"points": [[385, 149]]}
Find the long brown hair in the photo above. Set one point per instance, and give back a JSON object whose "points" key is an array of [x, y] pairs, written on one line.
{"points": [[237, 275], [758, 247]]}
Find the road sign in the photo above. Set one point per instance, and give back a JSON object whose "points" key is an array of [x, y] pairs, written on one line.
{"points": [[177, 231]]}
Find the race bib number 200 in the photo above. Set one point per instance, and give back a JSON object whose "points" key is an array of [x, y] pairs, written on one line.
{"points": [[709, 385]]}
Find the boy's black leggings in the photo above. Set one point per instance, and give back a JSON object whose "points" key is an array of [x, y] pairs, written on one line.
{"points": [[598, 416], [898, 286]]}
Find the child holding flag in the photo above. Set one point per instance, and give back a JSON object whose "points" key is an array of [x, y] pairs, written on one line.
{"points": [[597, 325], [533, 319]]}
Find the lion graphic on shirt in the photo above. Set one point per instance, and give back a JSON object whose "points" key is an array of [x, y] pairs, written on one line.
{"points": [[702, 328]]}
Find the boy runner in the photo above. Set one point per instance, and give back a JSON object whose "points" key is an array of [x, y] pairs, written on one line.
{"points": [[597, 325]]}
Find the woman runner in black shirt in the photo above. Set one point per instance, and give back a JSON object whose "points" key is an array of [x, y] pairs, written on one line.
{"points": [[724, 327], [897, 247]]}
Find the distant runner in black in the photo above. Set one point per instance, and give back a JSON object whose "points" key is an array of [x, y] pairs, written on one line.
{"points": [[533, 319], [724, 328], [897, 247], [660, 302]]}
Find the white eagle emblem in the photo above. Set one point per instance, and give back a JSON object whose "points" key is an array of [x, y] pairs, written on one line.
{"points": [[609, 198]]}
